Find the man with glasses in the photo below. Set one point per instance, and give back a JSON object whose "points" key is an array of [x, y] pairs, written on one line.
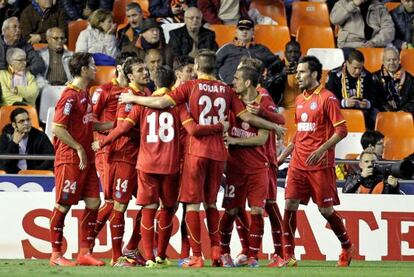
{"points": [[187, 40]]}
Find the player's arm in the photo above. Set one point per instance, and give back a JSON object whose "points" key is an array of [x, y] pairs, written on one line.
{"points": [[156, 102], [121, 129], [195, 129], [102, 126], [266, 114], [261, 123], [63, 135], [286, 153], [258, 140]]}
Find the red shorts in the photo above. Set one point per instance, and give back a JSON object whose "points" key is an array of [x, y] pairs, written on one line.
{"points": [[155, 187], [101, 163], [200, 180], [73, 184], [241, 187], [272, 190], [122, 179], [318, 184]]}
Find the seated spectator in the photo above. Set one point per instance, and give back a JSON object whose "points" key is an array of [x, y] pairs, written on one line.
{"points": [[7, 10], [12, 39], [396, 83], [20, 138], [38, 17], [151, 38], [56, 59], [81, 9], [17, 84], [354, 87], [362, 23], [129, 34], [183, 70], [403, 22], [170, 11], [187, 40], [366, 181], [99, 35], [224, 12], [229, 55]]}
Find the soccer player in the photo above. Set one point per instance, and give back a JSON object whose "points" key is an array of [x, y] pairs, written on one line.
{"points": [[122, 158], [74, 163], [209, 101], [320, 126]]}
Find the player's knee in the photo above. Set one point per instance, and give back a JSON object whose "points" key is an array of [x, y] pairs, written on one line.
{"points": [[92, 203], [270, 201], [120, 207], [151, 206], [193, 207], [62, 208], [211, 206], [292, 204], [256, 210], [233, 211], [326, 211]]}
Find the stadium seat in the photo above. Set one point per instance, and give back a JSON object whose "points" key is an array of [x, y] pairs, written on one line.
{"points": [[407, 60], [398, 148], [324, 76], [118, 11], [395, 124], [74, 29], [308, 13], [49, 123], [38, 46], [224, 33], [48, 98], [289, 115], [329, 57], [355, 120], [373, 58], [271, 8], [392, 5], [2, 172], [273, 37], [352, 156], [144, 6], [35, 172], [104, 74], [306, 36], [5, 112]]}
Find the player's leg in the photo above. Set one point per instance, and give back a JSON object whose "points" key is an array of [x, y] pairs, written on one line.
{"points": [[185, 242], [226, 229]]}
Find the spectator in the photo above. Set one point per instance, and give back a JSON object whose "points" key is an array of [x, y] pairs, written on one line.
{"points": [[396, 83], [403, 17], [151, 38], [20, 138], [7, 10], [170, 11], [366, 181], [153, 60], [224, 12], [99, 35], [56, 59], [183, 70], [17, 84], [362, 23], [187, 40], [12, 39], [38, 17], [81, 9], [354, 87], [229, 55], [129, 34]]}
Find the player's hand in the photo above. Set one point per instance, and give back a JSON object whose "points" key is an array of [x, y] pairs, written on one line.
{"points": [[228, 140], [253, 109], [95, 145], [34, 38], [315, 157], [126, 97], [225, 124], [82, 157], [368, 171], [392, 181], [279, 131]]}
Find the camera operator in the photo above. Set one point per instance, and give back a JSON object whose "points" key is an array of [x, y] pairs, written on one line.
{"points": [[367, 181]]}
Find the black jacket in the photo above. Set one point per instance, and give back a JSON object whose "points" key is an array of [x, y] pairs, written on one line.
{"points": [[402, 23], [38, 143], [355, 181], [161, 8], [74, 8], [182, 44]]}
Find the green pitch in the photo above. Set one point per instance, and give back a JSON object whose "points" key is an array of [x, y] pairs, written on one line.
{"points": [[306, 268]]}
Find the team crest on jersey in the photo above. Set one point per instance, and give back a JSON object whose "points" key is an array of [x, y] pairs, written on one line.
{"points": [[128, 107], [118, 194], [304, 117], [313, 106], [68, 107], [95, 96], [245, 125]]}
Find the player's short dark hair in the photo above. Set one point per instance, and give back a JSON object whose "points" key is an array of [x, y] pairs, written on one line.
{"points": [[249, 73], [252, 62], [129, 63], [123, 57], [363, 153], [313, 64], [355, 55], [164, 77], [77, 61], [371, 137], [181, 62], [206, 60], [16, 112]]}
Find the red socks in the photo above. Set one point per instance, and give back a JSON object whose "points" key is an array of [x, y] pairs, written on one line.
{"points": [[192, 220], [255, 234], [289, 229], [87, 227], [136, 233], [242, 225], [276, 223], [117, 221], [165, 217], [57, 221], [338, 228], [185, 243], [103, 215], [213, 218], [226, 228], [147, 232]]}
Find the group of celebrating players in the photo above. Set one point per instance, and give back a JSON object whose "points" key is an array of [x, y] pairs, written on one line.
{"points": [[173, 145]]}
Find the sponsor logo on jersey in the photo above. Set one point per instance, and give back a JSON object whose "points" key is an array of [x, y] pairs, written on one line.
{"points": [[306, 126], [304, 117], [313, 106], [68, 107], [299, 106], [87, 118], [128, 107], [95, 96], [240, 133]]}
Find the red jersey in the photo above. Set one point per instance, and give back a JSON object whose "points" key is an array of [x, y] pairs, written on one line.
{"points": [[125, 149], [316, 117], [209, 101], [74, 112], [247, 159], [159, 151]]}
